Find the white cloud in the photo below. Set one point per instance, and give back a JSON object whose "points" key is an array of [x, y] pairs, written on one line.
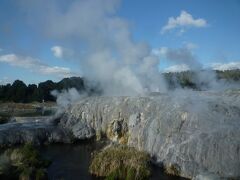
{"points": [[56, 70], [61, 52], [14, 60], [177, 68], [35, 65], [57, 51], [182, 21], [225, 66]]}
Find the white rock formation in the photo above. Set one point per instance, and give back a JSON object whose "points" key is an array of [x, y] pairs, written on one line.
{"points": [[194, 133]]}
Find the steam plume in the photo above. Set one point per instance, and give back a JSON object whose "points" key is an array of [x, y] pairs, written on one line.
{"points": [[111, 56]]}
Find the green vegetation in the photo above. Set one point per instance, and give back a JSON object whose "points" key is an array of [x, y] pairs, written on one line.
{"points": [[181, 79], [20, 92], [189, 79], [230, 75], [23, 163], [120, 162]]}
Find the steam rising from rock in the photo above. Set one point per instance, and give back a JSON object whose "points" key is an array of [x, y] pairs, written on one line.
{"points": [[66, 97], [109, 55], [104, 48]]}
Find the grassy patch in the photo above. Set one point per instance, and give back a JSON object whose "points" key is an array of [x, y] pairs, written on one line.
{"points": [[25, 162], [120, 162]]}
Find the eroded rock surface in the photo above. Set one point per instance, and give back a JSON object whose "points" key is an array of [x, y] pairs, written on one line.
{"points": [[193, 133], [34, 132]]}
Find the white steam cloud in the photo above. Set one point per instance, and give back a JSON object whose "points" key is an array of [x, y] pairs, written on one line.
{"points": [[179, 56], [112, 58], [66, 97], [119, 65], [225, 66], [177, 68]]}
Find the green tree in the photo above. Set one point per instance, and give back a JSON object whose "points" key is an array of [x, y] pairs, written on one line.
{"points": [[18, 91], [45, 89], [31, 96]]}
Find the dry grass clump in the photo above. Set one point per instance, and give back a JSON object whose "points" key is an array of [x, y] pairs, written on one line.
{"points": [[120, 162], [172, 169]]}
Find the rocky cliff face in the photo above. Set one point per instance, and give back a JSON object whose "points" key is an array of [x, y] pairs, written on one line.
{"points": [[189, 133]]}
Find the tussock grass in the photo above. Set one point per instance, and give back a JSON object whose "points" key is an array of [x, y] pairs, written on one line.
{"points": [[172, 169], [120, 162]]}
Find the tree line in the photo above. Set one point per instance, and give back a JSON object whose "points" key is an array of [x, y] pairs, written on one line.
{"points": [[190, 79], [18, 91]]}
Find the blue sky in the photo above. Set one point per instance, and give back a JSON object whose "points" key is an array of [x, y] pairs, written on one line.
{"points": [[207, 32]]}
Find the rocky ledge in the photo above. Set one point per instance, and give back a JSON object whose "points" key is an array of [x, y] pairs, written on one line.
{"points": [[36, 132], [191, 134]]}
